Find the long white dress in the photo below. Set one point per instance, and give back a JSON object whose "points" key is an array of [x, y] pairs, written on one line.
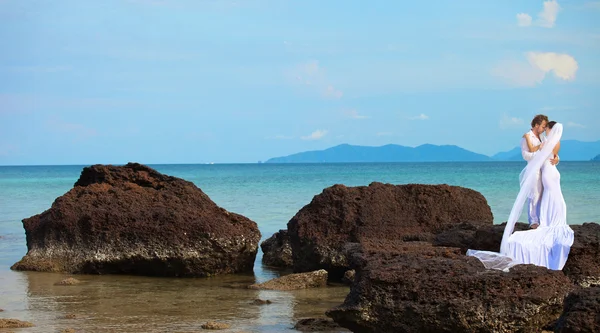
{"points": [[550, 243]]}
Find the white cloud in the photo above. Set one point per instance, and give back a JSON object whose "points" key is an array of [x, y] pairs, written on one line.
{"points": [[313, 75], [507, 122], [422, 116], [573, 124], [316, 135], [354, 114], [532, 72], [524, 20], [546, 18], [563, 65]]}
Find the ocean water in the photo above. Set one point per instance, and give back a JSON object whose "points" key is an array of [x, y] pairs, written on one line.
{"points": [[269, 194]]}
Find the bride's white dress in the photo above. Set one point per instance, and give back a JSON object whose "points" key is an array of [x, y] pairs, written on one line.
{"points": [[550, 243]]}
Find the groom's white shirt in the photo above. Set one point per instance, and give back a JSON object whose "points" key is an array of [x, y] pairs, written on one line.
{"points": [[535, 141]]}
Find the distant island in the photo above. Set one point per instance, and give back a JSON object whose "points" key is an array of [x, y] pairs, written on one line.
{"points": [[571, 150], [596, 158]]}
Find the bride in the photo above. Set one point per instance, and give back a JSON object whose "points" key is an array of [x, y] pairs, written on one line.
{"points": [[550, 243]]}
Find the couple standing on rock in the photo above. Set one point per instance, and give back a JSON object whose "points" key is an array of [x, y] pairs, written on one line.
{"points": [[549, 240]]}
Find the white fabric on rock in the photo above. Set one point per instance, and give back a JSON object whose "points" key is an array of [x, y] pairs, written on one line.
{"points": [[550, 243]]}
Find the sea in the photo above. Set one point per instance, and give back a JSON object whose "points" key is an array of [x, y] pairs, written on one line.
{"points": [[270, 195]]}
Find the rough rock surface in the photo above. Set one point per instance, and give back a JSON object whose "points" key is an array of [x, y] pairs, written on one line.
{"points": [[468, 236], [134, 220], [277, 251], [581, 312], [421, 288], [317, 325], [583, 264], [413, 212], [296, 281]]}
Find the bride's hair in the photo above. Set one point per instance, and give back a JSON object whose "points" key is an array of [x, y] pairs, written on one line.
{"points": [[551, 124]]}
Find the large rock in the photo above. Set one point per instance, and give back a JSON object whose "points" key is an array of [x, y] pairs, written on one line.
{"points": [[581, 312], [134, 220], [277, 251], [468, 236], [421, 288], [340, 214], [583, 264]]}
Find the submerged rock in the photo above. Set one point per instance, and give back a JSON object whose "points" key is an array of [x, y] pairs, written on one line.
{"points": [[341, 215], [296, 281], [14, 323], [134, 220], [420, 288], [317, 325]]}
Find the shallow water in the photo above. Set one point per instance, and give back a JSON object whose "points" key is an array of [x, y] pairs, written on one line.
{"points": [[143, 304]]}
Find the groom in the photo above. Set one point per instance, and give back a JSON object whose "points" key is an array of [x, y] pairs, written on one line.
{"points": [[538, 126]]}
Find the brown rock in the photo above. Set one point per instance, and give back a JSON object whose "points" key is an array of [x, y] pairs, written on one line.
{"points": [[341, 215], [67, 282], [581, 312], [14, 323], [317, 325], [213, 325], [68, 330], [468, 236], [70, 316], [261, 302], [349, 276], [134, 220], [296, 281], [583, 263], [421, 288], [277, 251]]}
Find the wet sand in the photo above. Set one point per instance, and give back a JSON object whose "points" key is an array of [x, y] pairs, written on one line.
{"points": [[119, 303]]}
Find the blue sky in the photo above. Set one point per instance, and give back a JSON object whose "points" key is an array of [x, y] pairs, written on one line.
{"points": [[225, 81]]}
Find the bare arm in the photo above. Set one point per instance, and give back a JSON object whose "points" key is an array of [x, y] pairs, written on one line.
{"points": [[530, 146]]}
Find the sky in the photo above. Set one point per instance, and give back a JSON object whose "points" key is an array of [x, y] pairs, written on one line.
{"points": [[241, 81]]}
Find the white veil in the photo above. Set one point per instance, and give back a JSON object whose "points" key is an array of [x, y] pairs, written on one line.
{"points": [[528, 179]]}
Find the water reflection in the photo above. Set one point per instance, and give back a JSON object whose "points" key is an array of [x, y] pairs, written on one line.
{"points": [[143, 304]]}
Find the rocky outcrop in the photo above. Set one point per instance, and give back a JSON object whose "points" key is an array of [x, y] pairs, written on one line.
{"points": [[296, 281], [581, 312], [403, 287], [277, 251], [134, 220], [341, 215], [317, 325], [583, 264], [468, 236]]}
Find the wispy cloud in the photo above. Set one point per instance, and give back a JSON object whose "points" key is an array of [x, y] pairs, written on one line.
{"points": [[532, 72], [316, 135], [546, 18], [524, 20], [573, 124], [355, 115], [79, 131], [422, 116], [311, 74], [508, 122]]}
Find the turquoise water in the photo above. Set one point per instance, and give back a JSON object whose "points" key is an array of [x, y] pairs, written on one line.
{"points": [[269, 194]]}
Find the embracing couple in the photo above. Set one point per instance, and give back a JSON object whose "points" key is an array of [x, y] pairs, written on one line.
{"points": [[550, 238]]}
